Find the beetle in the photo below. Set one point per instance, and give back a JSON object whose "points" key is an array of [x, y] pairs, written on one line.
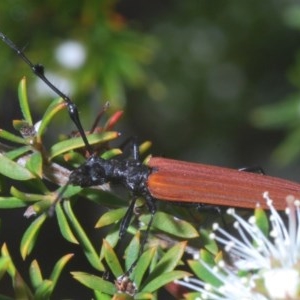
{"points": [[166, 179]]}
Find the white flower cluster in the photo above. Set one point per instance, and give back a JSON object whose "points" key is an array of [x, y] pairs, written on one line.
{"points": [[261, 268]]}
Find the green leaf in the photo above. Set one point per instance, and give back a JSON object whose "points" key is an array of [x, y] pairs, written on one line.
{"points": [[13, 154], [70, 191], [64, 225], [35, 164], [207, 257], [112, 260], [81, 236], [76, 143], [54, 107], [261, 221], [170, 225], [192, 296], [111, 153], [101, 296], [23, 99], [210, 244], [132, 251], [30, 236], [163, 279], [95, 283], [111, 217], [59, 267], [11, 137], [29, 197], [13, 170], [144, 147], [168, 262], [142, 265], [112, 237], [144, 296], [11, 269], [122, 296], [38, 208], [44, 290], [21, 290], [4, 264], [201, 271], [35, 274], [11, 202]]}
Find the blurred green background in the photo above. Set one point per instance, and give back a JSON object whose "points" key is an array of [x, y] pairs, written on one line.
{"points": [[190, 75], [215, 82]]}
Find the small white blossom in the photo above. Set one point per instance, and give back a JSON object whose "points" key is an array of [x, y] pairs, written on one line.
{"points": [[261, 268], [71, 54]]}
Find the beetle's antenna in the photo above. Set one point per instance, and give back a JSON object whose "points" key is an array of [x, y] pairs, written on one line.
{"points": [[38, 70]]}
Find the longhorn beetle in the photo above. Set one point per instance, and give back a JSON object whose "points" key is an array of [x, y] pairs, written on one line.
{"points": [[166, 179]]}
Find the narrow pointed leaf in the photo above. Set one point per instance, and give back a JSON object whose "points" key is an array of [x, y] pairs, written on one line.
{"points": [[133, 249], [21, 290], [11, 137], [144, 147], [64, 225], [76, 143], [13, 154], [112, 260], [81, 236], [23, 99], [29, 197], [112, 237], [170, 225], [4, 263], [35, 274], [201, 271], [70, 191], [111, 153], [113, 120], [168, 262], [11, 267], [144, 296], [44, 290], [164, 279], [210, 244], [55, 106], [30, 236], [95, 282], [143, 265], [101, 296], [38, 207], [261, 220], [59, 267], [13, 170], [122, 296], [111, 217], [11, 202], [35, 164]]}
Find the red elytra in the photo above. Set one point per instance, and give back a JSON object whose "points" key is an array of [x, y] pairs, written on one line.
{"points": [[173, 180]]}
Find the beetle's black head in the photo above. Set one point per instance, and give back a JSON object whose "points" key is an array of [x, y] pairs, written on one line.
{"points": [[91, 173]]}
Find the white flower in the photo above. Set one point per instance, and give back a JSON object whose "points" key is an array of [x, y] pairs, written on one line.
{"points": [[260, 268], [71, 54]]}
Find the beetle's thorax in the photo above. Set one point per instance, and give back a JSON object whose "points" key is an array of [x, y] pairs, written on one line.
{"points": [[132, 174]]}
